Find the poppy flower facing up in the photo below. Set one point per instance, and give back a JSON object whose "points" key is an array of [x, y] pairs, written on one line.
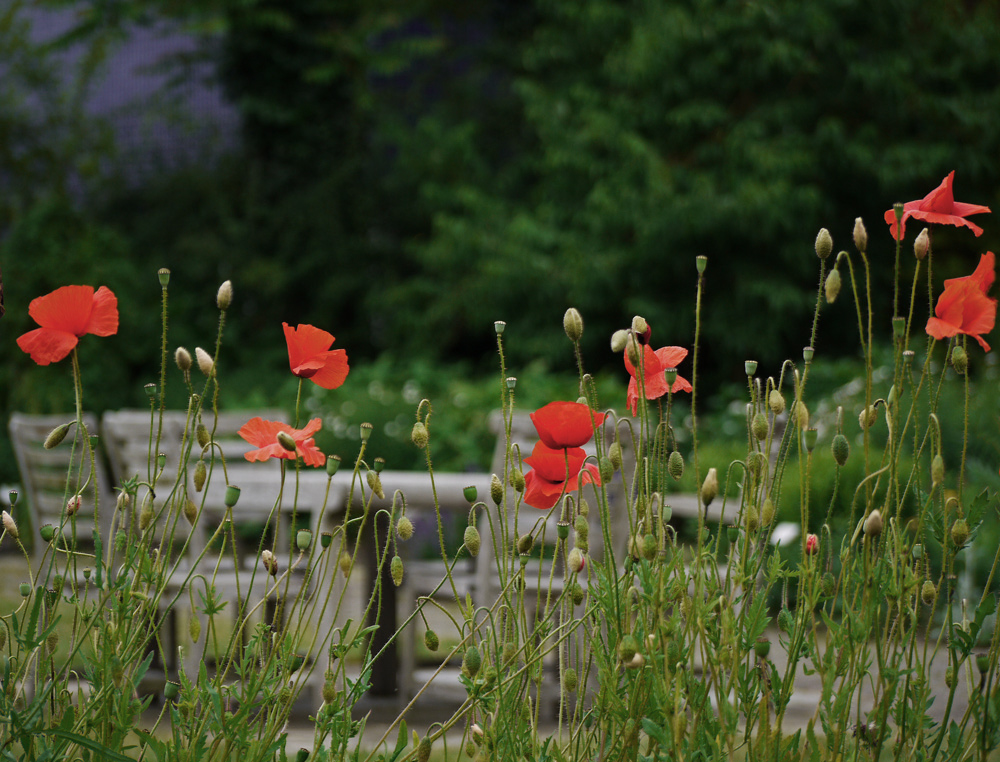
{"points": [[65, 315], [939, 207], [566, 424], [555, 471], [264, 435], [653, 381], [310, 356], [964, 307]]}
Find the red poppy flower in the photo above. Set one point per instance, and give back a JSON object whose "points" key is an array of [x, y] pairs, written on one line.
{"points": [[547, 480], [653, 381], [64, 316], [310, 356], [964, 307], [566, 424], [264, 435], [940, 207]]}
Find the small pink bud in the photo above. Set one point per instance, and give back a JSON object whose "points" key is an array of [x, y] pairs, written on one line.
{"points": [[73, 505], [812, 544], [576, 561]]}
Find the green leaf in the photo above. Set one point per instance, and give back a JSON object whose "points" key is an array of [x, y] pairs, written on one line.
{"points": [[103, 751]]}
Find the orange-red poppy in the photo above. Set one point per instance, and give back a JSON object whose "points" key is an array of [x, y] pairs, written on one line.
{"points": [[310, 356], [940, 207], [264, 435], [566, 424], [554, 472], [65, 315], [964, 307], [654, 383]]}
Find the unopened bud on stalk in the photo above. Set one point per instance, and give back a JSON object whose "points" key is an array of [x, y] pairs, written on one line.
{"points": [[517, 479], [812, 544], [959, 360], [675, 465], [396, 570], [922, 245], [606, 468], [618, 340], [183, 359], [752, 519], [767, 512], [801, 414], [710, 487], [828, 584], [201, 433], [841, 449], [639, 325], [860, 235], [831, 286], [205, 363], [194, 627], [9, 525], [146, 514], [190, 512], [344, 563], [270, 562], [225, 296], [432, 641], [47, 531], [959, 533], [867, 417], [424, 749], [824, 243], [472, 661], [647, 547], [404, 528], [576, 561], [286, 441], [496, 489], [375, 484], [928, 592], [776, 401], [573, 324], [472, 540], [73, 505], [615, 455], [419, 435], [632, 349], [873, 524], [937, 470], [200, 475], [57, 435], [758, 426]]}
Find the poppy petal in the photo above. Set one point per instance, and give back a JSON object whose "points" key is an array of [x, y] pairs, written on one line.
{"points": [[941, 330], [47, 345], [65, 309], [539, 493], [555, 465], [566, 424], [104, 313], [333, 370]]}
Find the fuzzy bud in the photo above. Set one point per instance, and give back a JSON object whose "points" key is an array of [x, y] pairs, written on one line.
{"points": [[801, 414], [496, 489], [776, 401], [619, 339], [647, 547], [419, 435], [605, 468], [831, 286], [824, 243], [937, 470], [928, 592], [615, 455], [404, 528], [752, 519], [190, 512], [375, 484], [841, 449], [9, 525], [758, 427], [200, 475], [270, 562], [959, 360], [47, 531], [767, 512], [471, 662], [344, 563], [525, 543], [639, 325], [710, 487], [785, 620], [828, 584], [205, 362], [432, 641], [194, 628], [762, 647], [576, 593], [73, 505], [576, 561], [960, 533], [57, 435], [627, 648], [632, 349], [573, 324], [517, 479], [202, 435], [569, 680], [424, 749], [867, 417], [675, 465], [922, 245], [860, 235], [873, 524], [472, 540], [812, 544], [286, 441], [225, 295], [396, 570], [183, 359]]}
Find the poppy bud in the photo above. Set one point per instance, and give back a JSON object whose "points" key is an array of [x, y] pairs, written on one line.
{"points": [[801, 414], [785, 620], [569, 680], [270, 562], [767, 512], [57, 435], [959, 360], [194, 627], [183, 359], [776, 401], [860, 235], [345, 562], [200, 475], [753, 519], [576, 561], [419, 435], [812, 544], [581, 528], [396, 570], [762, 647], [424, 749], [201, 432], [9, 525], [710, 487], [286, 441], [922, 245], [828, 584], [618, 341], [841, 449], [375, 484], [576, 593], [928, 592], [472, 540], [636, 661], [404, 528], [205, 363], [525, 543], [639, 326], [832, 286], [73, 505], [675, 465], [632, 349], [606, 469], [225, 295], [758, 427], [867, 417], [573, 324], [937, 470], [959, 533], [517, 479], [627, 648], [471, 662], [873, 524], [190, 512], [647, 547], [949, 677], [431, 640], [824, 243], [47, 531], [496, 489]]}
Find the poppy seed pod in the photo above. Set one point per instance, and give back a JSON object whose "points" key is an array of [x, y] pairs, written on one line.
{"points": [[419, 435], [404, 528], [225, 295], [472, 540], [710, 487], [573, 324], [824, 243], [396, 570], [776, 401], [831, 286], [922, 245], [675, 465], [841, 449], [762, 647], [860, 235], [205, 363], [163, 275], [618, 340], [183, 359], [873, 524], [9, 525], [57, 435]]}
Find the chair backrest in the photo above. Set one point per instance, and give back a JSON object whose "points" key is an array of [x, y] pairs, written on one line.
{"points": [[49, 482]]}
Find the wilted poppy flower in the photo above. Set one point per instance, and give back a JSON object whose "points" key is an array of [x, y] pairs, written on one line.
{"points": [[310, 356], [264, 435], [653, 381], [566, 424], [550, 477], [964, 307], [65, 315], [940, 207]]}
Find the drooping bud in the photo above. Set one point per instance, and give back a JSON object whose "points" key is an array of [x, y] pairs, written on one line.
{"points": [[183, 359], [776, 401], [525, 543], [824, 243], [785, 620], [225, 295], [922, 245], [767, 512], [960, 533], [9, 525], [618, 340], [396, 570], [471, 662], [576, 561], [375, 484], [200, 475], [424, 749], [432, 641], [496, 489], [675, 465], [286, 441], [753, 519], [801, 414], [928, 592], [841, 449], [569, 680], [517, 479], [758, 426], [573, 324], [345, 563], [632, 349], [828, 584], [270, 562], [873, 524], [73, 505], [201, 433], [57, 435], [937, 470], [419, 435], [615, 455], [472, 540], [576, 593], [831, 286], [867, 417], [959, 360], [627, 648], [606, 469], [860, 235], [404, 528], [205, 363], [710, 487], [194, 627], [190, 512]]}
